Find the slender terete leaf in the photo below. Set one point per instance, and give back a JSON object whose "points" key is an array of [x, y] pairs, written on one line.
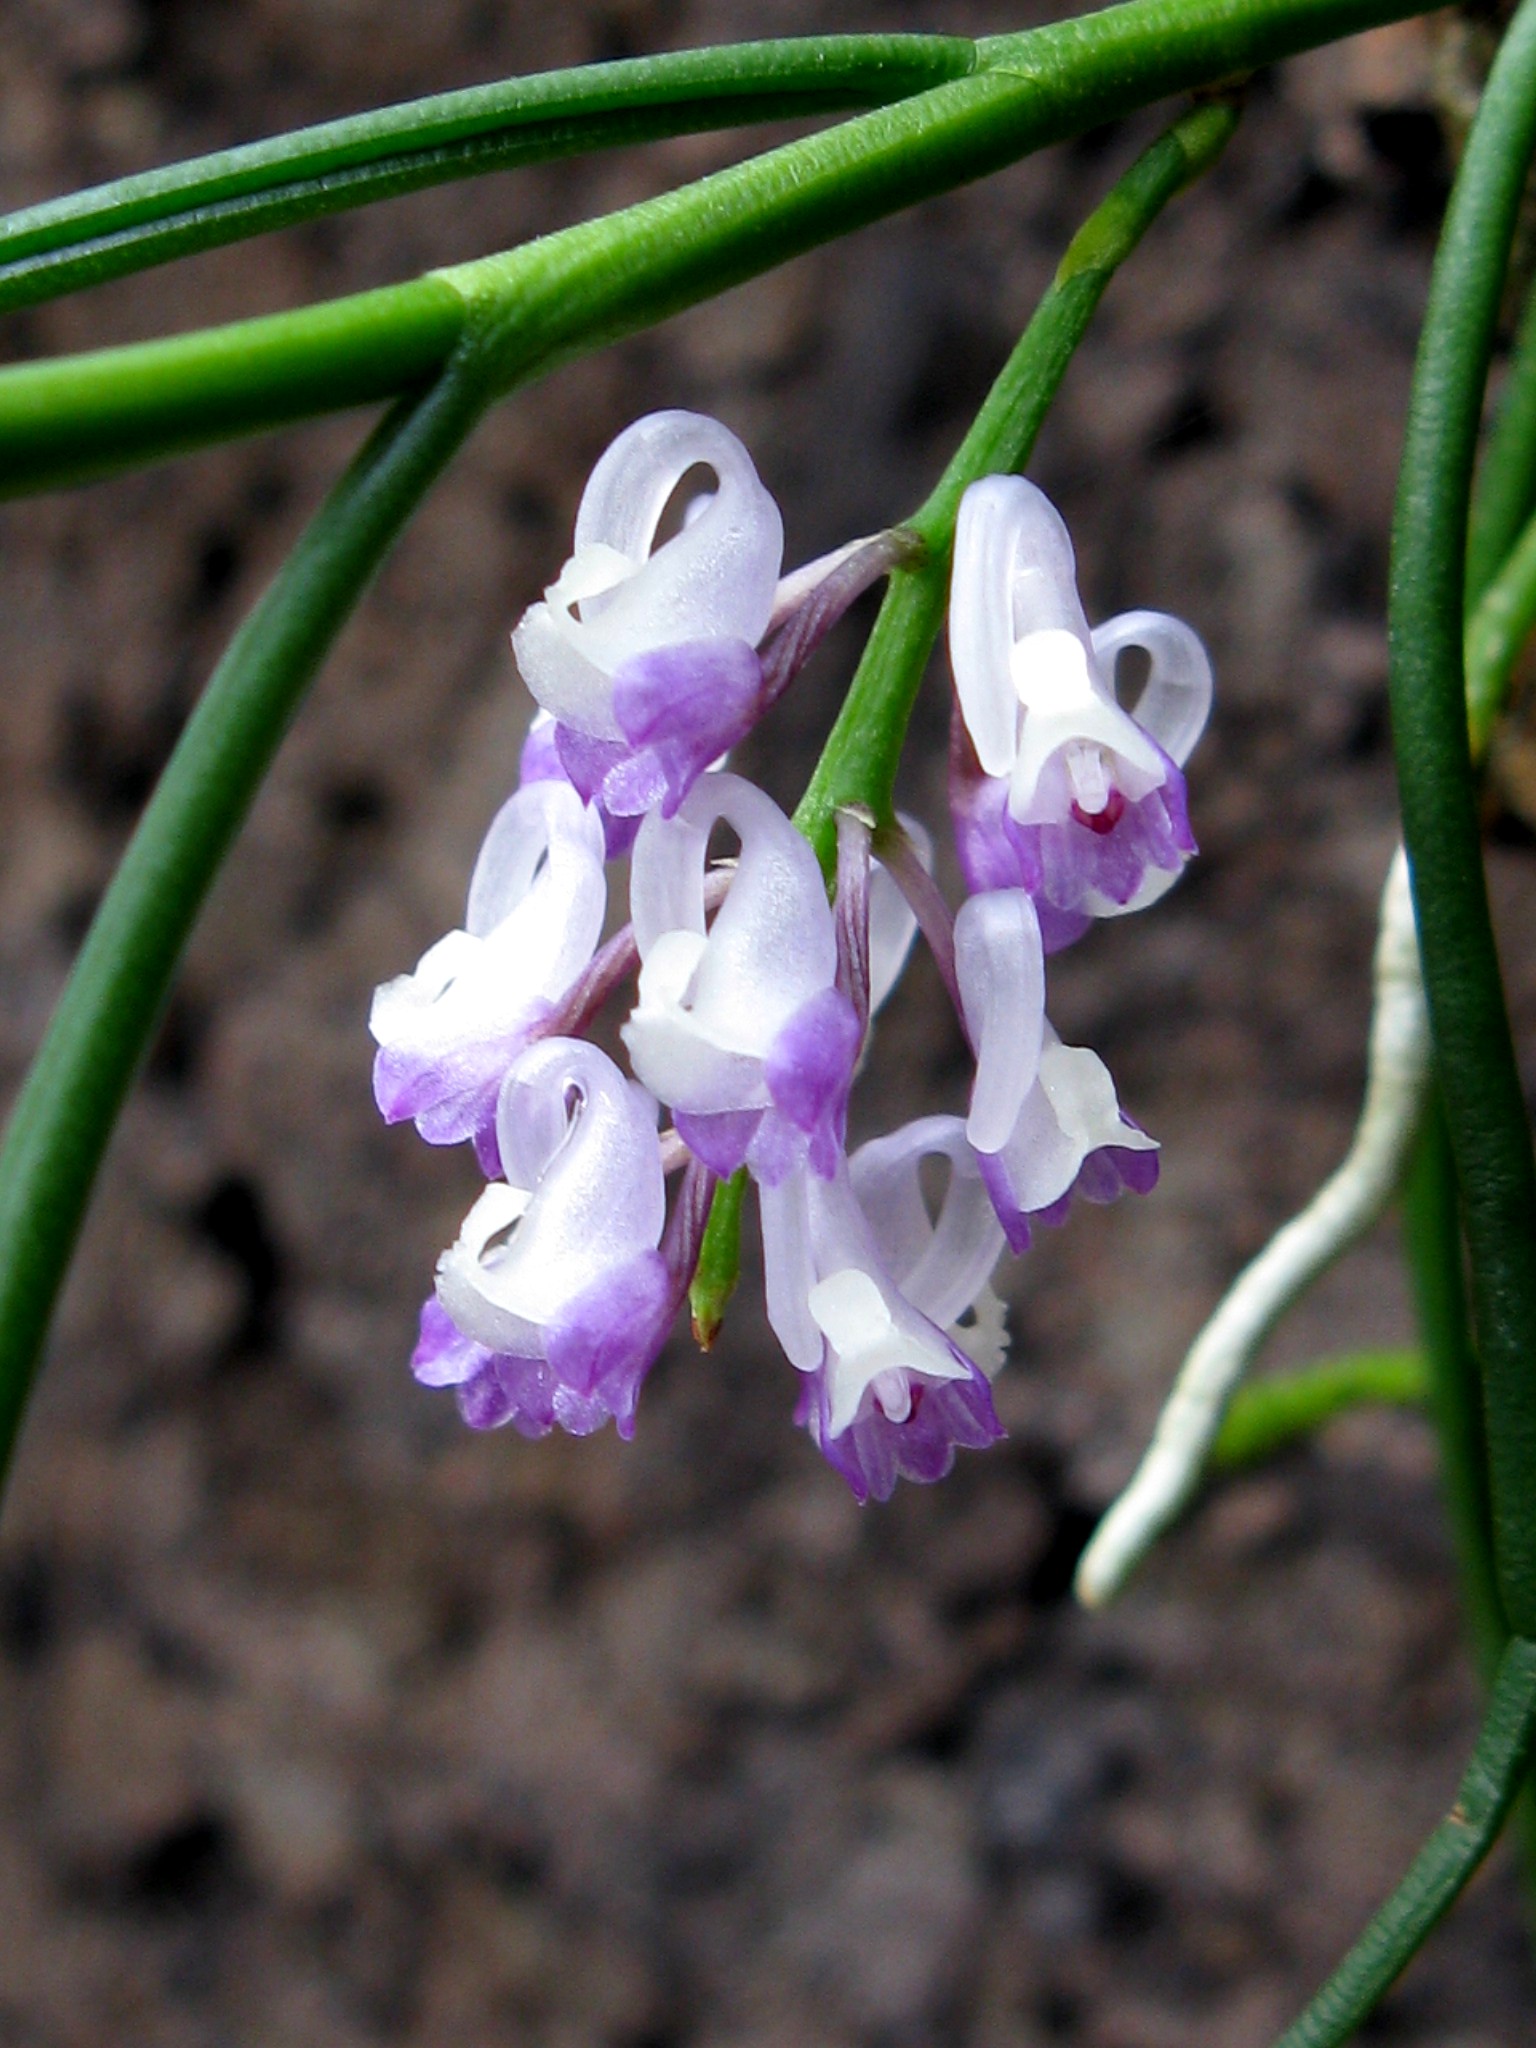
{"points": [[66, 244], [1442, 1867], [1479, 1081], [591, 284], [72, 1096]]}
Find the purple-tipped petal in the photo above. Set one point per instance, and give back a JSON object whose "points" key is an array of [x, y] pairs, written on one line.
{"points": [[602, 1345], [682, 707], [444, 1356], [621, 597], [1075, 870], [809, 1070], [1017, 1223], [874, 1452], [723, 1141], [1071, 1138], [1115, 1170], [1055, 787], [452, 1096], [448, 1032], [719, 1007], [540, 759]]}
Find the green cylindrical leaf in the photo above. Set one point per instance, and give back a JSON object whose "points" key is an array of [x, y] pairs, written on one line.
{"points": [[67, 1108], [66, 244], [1479, 1081]]}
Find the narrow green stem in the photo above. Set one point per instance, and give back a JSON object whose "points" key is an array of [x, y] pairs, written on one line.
{"points": [[64, 1116], [1505, 496], [1269, 1414], [1475, 1060], [66, 244], [1497, 632], [859, 762], [593, 283], [64, 421], [1442, 1867], [1432, 1233]]}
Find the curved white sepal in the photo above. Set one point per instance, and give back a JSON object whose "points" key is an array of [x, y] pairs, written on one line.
{"points": [[620, 596], [1014, 575], [1000, 970]]}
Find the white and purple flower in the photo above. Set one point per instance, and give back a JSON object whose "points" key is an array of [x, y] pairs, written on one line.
{"points": [[448, 1032], [1055, 787], [646, 656], [887, 1313], [650, 659], [555, 1299], [740, 1026]]}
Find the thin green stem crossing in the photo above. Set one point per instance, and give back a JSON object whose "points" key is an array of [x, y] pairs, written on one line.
{"points": [[591, 284]]}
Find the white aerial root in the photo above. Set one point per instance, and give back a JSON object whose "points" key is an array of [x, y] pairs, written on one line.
{"points": [[1342, 1210]]}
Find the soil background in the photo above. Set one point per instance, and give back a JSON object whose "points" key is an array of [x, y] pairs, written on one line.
{"points": [[325, 1722]]}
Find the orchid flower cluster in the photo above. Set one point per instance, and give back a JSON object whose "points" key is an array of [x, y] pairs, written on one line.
{"points": [[753, 989]]}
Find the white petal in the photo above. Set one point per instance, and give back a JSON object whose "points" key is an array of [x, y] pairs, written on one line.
{"points": [[1081, 1093], [1000, 969], [773, 944], [678, 1058], [884, 1176], [940, 1266], [1176, 701], [582, 1139], [536, 906], [544, 825], [1070, 1113], [789, 1270], [666, 876], [1014, 574], [560, 672], [867, 1341]]}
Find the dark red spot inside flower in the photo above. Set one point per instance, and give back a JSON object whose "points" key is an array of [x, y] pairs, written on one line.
{"points": [[1105, 820]]}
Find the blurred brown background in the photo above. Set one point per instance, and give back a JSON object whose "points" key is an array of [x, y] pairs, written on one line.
{"points": [[322, 1721]]}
